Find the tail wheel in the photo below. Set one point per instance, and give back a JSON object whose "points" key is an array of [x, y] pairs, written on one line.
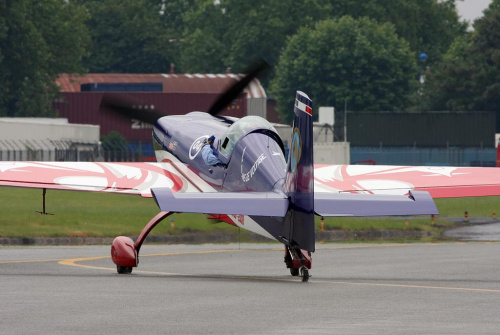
{"points": [[304, 273], [299, 262]]}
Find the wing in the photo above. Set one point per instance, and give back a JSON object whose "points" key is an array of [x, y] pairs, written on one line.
{"points": [[440, 182], [124, 178]]}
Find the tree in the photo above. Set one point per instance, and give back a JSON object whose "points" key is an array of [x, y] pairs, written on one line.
{"points": [[468, 78], [429, 26], [4, 91], [38, 41], [114, 146], [358, 61], [241, 31], [172, 18], [441, 82], [237, 33], [127, 37], [203, 47], [486, 45]]}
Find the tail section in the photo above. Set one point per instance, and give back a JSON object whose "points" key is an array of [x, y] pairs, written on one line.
{"points": [[299, 184]]}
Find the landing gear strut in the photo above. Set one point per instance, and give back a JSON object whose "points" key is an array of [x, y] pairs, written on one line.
{"points": [[298, 261], [304, 273]]}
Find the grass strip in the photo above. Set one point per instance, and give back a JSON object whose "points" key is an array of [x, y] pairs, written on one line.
{"points": [[86, 214]]}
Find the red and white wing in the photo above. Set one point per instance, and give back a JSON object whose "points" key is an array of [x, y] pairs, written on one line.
{"points": [[125, 178], [440, 182]]}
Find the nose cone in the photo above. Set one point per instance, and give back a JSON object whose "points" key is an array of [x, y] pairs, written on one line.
{"points": [[257, 164]]}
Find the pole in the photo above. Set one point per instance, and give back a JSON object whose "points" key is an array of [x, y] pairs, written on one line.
{"points": [[345, 120]]}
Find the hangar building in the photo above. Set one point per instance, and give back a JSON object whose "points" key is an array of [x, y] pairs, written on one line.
{"points": [[44, 139], [170, 94]]}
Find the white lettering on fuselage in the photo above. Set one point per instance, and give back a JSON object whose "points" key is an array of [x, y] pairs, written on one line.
{"points": [[247, 176], [195, 148]]}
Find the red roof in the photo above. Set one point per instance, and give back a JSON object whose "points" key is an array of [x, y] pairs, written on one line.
{"points": [[172, 83]]}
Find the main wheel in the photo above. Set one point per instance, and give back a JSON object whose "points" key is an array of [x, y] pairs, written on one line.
{"points": [[294, 272], [305, 274], [123, 269]]}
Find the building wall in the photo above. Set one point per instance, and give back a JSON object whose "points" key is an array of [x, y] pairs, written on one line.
{"points": [[174, 94], [41, 139], [84, 107], [257, 106], [325, 150], [332, 153], [429, 129], [47, 129]]}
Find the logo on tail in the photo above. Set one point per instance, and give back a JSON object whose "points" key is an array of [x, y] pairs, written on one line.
{"points": [[296, 151]]}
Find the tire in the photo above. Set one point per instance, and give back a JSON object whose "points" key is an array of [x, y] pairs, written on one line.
{"points": [[123, 269]]}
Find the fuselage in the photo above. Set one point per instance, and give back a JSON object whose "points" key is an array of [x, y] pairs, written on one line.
{"points": [[250, 148]]}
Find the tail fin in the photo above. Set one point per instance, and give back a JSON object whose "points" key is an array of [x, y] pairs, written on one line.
{"points": [[299, 184]]}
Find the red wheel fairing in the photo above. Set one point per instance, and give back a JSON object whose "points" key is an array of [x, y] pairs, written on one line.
{"points": [[123, 252]]}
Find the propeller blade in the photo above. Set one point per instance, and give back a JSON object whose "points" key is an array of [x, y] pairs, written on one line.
{"points": [[125, 107], [232, 93]]}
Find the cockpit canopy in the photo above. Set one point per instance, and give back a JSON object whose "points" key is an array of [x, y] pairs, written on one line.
{"points": [[245, 126]]}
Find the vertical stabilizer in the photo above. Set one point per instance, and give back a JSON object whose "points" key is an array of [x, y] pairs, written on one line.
{"points": [[299, 184]]}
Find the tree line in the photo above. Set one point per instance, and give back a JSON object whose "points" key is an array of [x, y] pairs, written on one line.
{"points": [[359, 53]]}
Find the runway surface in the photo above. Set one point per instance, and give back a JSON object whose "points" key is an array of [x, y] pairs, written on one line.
{"points": [[481, 232], [451, 288]]}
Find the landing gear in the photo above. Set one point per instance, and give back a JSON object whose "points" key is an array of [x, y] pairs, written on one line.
{"points": [[125, 253], [299, 262], [124, 269], [304, 273]]}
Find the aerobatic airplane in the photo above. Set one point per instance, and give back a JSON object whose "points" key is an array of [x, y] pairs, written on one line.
{"points": [[253, 187]]}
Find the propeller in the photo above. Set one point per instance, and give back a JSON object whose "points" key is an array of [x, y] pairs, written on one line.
{"points": [[124, 106], [232, 92]]}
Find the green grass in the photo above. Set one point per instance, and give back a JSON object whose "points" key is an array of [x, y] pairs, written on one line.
{"points": [[477, 207], [88, 214], [448, 208], [108, 215]]}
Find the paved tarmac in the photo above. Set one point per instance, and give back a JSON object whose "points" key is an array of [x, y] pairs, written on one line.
{"points": [[450, 288], [482, 232]]}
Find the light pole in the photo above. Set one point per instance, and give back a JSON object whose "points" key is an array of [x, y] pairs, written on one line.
{"points": [[421, 78], [421, 60]]}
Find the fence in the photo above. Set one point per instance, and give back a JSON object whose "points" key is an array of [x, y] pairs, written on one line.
{"points": [[451, 156], [136, 152], [75, 152]]}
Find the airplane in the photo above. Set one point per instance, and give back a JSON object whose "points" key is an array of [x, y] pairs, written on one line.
{"points": [[254, 187]]}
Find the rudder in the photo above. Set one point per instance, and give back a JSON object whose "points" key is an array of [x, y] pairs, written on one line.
{"points": [[299, 183]]}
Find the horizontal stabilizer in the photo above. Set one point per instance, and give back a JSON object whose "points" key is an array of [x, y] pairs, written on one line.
{"points": [[247, 203], [349, 204]]}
